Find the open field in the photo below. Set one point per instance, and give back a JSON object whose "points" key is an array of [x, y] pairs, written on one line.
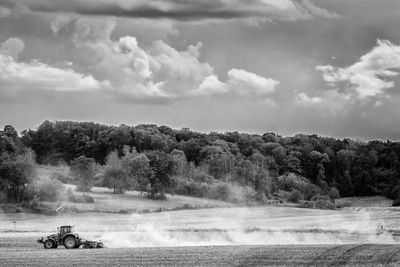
{"points": [[220, 226], [289, 255], [255, 236]]}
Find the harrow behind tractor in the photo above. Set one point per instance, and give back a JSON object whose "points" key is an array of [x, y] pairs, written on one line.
{"points": [[68, 239]]}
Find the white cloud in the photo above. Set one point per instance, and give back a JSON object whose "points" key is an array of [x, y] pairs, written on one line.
{"points": [[37, 75], [160, 70], [240, 82], [245, 82], [370, 76], [211, 85], [302, 97], [126, 68], [180, 70]]}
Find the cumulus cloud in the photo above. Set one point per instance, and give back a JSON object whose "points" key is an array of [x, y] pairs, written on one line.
{"points": [[181, 10], [37, 75], [180, 70], [158, 71], [246, 82], [304, 98], [239, 81], [123, 67], [370, 76], [211, 85]]}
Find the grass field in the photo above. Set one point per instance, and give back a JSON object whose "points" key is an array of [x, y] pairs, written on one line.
{"points": [[130, 201], [106, 201]]}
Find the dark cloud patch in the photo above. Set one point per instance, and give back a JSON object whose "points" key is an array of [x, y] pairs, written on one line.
{"points": [[181, 10]]}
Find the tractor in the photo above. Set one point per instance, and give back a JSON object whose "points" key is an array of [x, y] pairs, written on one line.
{"points": [[68, 238]]}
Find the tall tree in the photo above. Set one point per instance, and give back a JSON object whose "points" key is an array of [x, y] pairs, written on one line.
{"points": [[163, 167], [83, 169]]}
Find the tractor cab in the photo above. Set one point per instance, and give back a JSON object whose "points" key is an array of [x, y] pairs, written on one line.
{"points": [[63, 230]]}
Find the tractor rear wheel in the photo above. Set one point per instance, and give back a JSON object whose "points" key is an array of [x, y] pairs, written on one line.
{"points": [[49, 244], [70, 242]]}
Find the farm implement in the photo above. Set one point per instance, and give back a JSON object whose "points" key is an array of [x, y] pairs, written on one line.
{"points": [[67, 238]]}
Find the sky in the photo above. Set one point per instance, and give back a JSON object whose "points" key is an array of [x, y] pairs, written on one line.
{"points": [[328, 67]]}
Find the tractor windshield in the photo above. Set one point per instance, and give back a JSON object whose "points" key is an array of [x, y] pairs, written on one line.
{"points": [[65, 230]]}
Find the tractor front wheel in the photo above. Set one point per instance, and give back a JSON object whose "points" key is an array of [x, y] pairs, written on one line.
{"points": [[70, 242], [49, 244]]}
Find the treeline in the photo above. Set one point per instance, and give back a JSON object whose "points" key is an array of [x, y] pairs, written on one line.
{"points": [[19, 180], [17, 166], [157, 159]]}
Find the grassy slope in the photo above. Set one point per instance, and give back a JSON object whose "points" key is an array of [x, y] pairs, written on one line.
{"points": [[106, 201]]}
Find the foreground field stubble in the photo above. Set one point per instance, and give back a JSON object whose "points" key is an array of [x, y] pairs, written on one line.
{"points": [[319, 255]]}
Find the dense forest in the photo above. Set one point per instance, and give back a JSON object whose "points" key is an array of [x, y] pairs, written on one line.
{"points": [[157, 159]]}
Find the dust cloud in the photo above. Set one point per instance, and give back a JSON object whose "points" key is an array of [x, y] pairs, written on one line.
{"points": [[253, 227]]}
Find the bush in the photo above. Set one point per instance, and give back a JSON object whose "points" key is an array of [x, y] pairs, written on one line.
{"points": [[310, 191], [291, 181], [200, 176], [281, 194], [295, 196], [219, 191], [190, 188], [319, 197], [231, 193], [333, 193], [45, 190], [197, 189]]}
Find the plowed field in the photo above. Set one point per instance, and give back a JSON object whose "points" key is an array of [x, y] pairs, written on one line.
{"points": [[259, 236], [23, 252]]}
